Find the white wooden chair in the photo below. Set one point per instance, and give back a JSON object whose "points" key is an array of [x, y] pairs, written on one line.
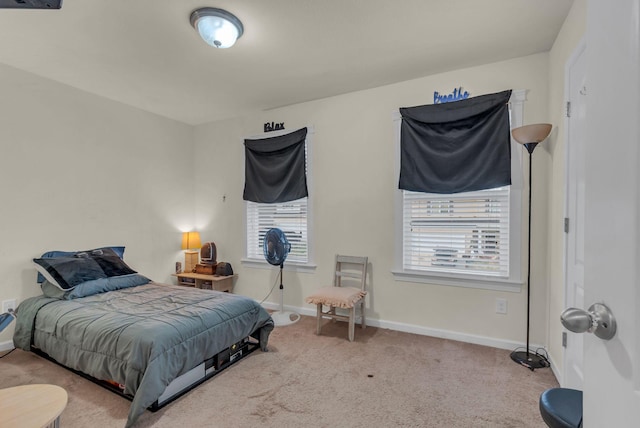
{"points": [[349, 270]]}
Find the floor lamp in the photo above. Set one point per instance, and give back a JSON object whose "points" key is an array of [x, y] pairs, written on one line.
{"points": [[529, 136]]}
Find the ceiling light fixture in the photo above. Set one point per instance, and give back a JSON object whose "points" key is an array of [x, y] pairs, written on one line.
{"points": [[217, 27]]}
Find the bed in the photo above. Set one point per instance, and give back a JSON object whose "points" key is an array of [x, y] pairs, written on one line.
{"points": [[151, 342]]}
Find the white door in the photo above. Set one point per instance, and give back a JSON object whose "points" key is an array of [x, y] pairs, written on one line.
{"points": [[574, 282], [612, 211]]}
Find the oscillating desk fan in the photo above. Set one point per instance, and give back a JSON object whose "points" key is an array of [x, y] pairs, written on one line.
{"points": [[276, 247]]}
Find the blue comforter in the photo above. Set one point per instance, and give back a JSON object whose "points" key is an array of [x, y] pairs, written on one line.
{"points": [[142, 337]]}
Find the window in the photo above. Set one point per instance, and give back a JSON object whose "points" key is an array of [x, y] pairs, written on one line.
{"points": [[293, 218], [460, 233], [470, 239]]}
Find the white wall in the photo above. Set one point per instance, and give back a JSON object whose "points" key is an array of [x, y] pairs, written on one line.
{"points": [[353, 196], [570, 35], [79, 171]]}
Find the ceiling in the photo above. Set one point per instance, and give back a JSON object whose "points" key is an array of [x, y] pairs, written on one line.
{"points": [[144, 53]]}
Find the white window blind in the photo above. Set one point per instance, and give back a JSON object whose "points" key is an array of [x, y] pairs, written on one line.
{"points": [[459, 233], [290, 217]]}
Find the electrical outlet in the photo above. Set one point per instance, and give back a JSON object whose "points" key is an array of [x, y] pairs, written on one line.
{"points": [[501, 306], [8, 304]]}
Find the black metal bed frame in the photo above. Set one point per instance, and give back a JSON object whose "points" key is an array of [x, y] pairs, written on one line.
{"points": [[212, 366]]}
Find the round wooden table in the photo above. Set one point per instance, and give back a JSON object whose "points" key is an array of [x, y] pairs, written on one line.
{"points": [[34, 406]]}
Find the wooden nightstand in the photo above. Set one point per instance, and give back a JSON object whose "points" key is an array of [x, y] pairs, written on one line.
{"points": [[206, 282]]}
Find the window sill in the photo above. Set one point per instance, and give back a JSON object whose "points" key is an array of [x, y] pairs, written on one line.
{"points": [[288, 266], [481, 282]]}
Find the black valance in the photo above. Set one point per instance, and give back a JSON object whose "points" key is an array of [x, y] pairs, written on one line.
{"points": [[275, 168], [456, 147]]}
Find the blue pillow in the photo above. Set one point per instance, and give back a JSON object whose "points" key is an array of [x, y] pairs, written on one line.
{"points": [[55, 254], [68, 272], [96, 286]]}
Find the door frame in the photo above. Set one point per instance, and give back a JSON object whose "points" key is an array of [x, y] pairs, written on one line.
{"points": [[578, 50]]}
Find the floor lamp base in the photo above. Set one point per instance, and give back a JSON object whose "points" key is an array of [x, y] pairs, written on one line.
{"points": [[530, 360]]}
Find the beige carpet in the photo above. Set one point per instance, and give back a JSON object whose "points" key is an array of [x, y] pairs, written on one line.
{"points": [[383, 379]]}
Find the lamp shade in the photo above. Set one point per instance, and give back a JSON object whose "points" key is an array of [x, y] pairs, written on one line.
{"points": [[531, 133], [217, 27], [191, 240]]}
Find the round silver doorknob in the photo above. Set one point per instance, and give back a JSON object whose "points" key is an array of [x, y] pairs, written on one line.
{"points": [[597, 320], [576, 320]]}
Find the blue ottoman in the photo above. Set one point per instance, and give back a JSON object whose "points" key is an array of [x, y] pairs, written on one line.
{"points": [[561, 408]]}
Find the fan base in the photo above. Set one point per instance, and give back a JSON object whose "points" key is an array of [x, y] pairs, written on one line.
{"points": [[282, 318]]}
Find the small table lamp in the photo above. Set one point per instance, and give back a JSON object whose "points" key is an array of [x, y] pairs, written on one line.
{"points": [[190, 241]]}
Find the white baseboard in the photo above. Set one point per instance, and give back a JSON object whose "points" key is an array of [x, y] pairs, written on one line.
{"points": [[554, 369], [6, 346], [425, 331]]}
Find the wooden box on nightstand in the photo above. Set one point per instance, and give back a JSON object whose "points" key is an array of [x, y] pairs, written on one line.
{"points": [[206, 282]]}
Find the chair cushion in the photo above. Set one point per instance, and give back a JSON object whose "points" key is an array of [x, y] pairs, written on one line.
{"points": [[561, 407], [339, 297]]}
